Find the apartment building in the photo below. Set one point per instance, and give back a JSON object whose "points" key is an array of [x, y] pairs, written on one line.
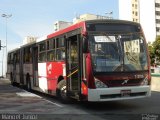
{"points": [[146, 12]]}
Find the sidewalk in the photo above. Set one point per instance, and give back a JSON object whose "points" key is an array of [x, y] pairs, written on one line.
{"points": [[16, 100]]}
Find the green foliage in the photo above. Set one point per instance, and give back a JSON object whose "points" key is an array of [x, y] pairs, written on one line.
{"points": [[154, 51], [151, 53]]}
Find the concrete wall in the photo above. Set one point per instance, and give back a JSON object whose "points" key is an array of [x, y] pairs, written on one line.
{"points": [[155, 85]]}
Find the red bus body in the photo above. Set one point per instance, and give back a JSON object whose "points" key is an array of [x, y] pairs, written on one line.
{"points": [[84, 79]]}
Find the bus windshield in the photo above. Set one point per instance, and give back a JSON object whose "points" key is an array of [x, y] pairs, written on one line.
{"points": [[118, 52]]}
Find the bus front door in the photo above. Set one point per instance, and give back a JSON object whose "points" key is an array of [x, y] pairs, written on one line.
{"points": [[73, 74]]}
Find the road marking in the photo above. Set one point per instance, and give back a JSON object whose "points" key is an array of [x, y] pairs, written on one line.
{"points": [[27, 94], [53, 103]]}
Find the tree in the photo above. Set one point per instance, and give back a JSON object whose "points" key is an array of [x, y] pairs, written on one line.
{"points": [[151, 53], [156, 50]]}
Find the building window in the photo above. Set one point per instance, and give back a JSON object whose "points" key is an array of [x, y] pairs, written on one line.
{"points": [[158, 21], [157, 4], [136, 6], [157, 29], [157, 12]]}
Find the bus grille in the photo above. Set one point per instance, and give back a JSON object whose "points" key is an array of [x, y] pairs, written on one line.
{"points": [[119, 95], [120, 83]]}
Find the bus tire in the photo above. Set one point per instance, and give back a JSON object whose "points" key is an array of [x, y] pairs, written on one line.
{"points": [[61, 92], [28, 83]]}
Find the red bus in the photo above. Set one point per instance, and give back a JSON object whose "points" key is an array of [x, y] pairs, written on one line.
{"points": [[94, 60]]}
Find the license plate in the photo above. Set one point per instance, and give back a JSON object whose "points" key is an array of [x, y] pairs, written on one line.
{"points": [[125, 93]]}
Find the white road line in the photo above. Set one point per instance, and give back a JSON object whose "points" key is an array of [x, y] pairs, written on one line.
{"points": [[27, 94], [53, 103]]}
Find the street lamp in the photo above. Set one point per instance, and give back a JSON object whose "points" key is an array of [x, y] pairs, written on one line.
{"points": [[109, 15], [6, 17]]}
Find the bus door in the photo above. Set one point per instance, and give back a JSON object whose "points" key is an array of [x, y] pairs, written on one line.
{"points": [[73, 74], [35, 66]]}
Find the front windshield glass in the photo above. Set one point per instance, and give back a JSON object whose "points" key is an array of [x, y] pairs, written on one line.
{"points": [[120, 52]]}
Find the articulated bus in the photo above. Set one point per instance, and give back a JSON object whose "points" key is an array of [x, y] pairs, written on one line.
{"points": [[94, 60]]}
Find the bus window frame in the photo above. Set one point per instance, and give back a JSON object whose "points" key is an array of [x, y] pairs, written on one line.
{"points": [[27, 57], [59, 46], [43, 51]]}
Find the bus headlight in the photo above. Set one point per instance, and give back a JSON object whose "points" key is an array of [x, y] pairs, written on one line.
{"points": [[145, 81], [100, 84]]}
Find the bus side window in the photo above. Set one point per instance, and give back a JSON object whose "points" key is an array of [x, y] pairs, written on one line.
{"points": [[17, 57], [42, 57], [9, 58], [50, 55], [42, 51], [28, 57], [60, 54], [60, 50]]}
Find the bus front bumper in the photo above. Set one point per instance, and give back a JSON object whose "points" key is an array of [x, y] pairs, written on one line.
{"points": [[118, 93]]}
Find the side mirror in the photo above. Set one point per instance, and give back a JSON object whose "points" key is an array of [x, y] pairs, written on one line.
{"points": [[85, 44]]}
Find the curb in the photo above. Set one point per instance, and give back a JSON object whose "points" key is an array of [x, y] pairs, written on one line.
{"points": [[5, 81], [155, 74]]}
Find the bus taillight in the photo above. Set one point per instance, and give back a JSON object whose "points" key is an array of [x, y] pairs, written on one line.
{"points": [[84, 89]]}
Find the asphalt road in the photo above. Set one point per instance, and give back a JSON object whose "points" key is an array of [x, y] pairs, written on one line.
{"points": [[16, 103]]}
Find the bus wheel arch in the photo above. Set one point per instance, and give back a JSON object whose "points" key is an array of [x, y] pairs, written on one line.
{"points": [[60, 78]]}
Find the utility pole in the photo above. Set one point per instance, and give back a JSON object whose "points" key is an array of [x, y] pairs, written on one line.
{"points": [[6, 16], [0, 45], [2, 58]]}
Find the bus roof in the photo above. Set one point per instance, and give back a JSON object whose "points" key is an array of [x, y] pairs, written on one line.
{"points": [[70, 28], [28, 44], [13, 50], [111, 21], [83, 23]]}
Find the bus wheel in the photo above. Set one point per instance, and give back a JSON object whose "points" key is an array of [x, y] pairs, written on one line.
{"points": [[28, 83], [61, 91]]}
